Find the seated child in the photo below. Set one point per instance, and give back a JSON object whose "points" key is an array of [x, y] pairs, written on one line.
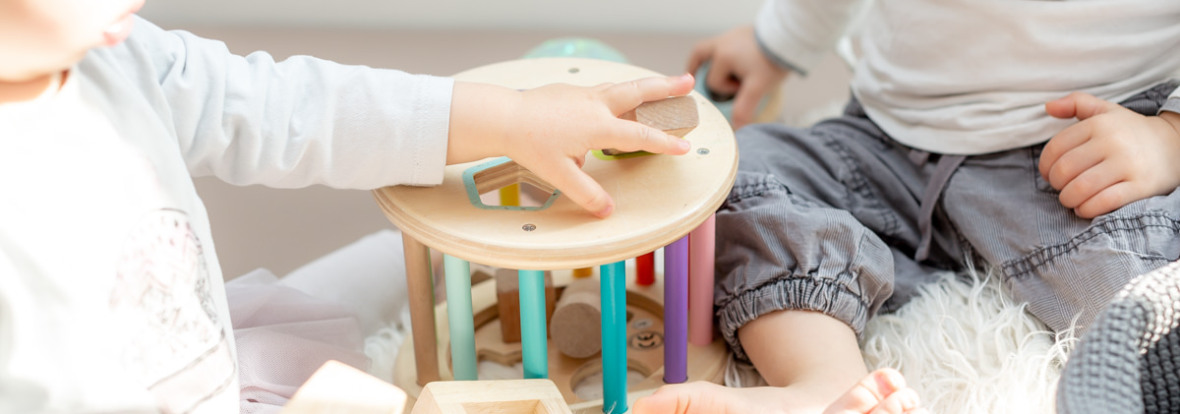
{"points": [[1038, 138], [111, 296]]}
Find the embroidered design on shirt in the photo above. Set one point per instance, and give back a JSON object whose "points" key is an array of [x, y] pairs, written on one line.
{"points": [[163, 295]]}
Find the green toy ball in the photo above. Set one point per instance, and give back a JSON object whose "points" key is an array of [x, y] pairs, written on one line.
{"points": [[576, 47]]}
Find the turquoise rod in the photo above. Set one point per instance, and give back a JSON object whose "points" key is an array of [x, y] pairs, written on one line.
{"points": [[533, 335], [613, 284], [460, 317]]}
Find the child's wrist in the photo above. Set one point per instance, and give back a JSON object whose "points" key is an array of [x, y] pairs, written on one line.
{"points": [[482, 117]]}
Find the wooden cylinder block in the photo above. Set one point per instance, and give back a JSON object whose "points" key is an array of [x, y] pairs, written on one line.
{"points": [[508, 294], [576, 325]]}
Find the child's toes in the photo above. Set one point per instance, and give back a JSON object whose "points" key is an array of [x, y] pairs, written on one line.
{"points": [[902, 401], [870, 392]]}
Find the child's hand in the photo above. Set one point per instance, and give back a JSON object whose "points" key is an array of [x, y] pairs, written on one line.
{"points": [[883, 391], [738, 69], [549, 130], [706, 398], [1112, 157]]}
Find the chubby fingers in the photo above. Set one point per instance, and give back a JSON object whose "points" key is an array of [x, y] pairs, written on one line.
{"points": [[1079, 105], [628, 136], [700, 53], [691, 398], [567, 176], [625, 96], [1062, 159], [745, 104], [1097, 191], [1109, 199]]}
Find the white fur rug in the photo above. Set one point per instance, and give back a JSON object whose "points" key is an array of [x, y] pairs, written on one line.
{"points": [[967, 348]]}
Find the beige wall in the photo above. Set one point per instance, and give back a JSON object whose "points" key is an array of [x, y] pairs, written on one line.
{"points": [[648, 16]]}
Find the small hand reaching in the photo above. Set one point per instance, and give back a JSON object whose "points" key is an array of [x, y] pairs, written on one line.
{"points": [[550, 129], [1112, 157], [740, 69]]}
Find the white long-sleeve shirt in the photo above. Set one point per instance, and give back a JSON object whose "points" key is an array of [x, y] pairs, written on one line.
{"points": [[972, 76], [111, 296]]}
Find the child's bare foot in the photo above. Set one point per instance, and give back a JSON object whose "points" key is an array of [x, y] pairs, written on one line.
{"points": [[882, 391]]}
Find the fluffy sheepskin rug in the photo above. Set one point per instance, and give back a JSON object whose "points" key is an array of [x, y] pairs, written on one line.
{"points": [[962, 343], [967, 348]]}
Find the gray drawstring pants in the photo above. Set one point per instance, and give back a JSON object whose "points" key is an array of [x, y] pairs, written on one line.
{"points": [[839, 218]]}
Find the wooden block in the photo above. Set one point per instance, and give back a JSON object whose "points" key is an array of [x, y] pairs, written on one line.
{"points": [[675, 116], [531, 396], [339, 388], [577, 322], [508, 302]]}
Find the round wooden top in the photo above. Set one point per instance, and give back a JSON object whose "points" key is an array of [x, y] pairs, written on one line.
{"points": [[658, 198]]}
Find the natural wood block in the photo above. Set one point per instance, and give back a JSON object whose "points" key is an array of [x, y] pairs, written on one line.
{"points": [[577, 322], [675, 116], [339, 388], [531, 396], [508, 302]]}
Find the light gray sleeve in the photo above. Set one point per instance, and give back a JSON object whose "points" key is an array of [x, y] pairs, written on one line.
{"points": [[302, 121], [797, 33], [1173, 102]]}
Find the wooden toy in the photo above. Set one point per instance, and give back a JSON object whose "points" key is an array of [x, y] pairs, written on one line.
{"points": [[532, 396], [700, 300], [659, 200], [575, 325], [508, 301], [338, 388], [644, 346], [645, 269], [675, 116]]}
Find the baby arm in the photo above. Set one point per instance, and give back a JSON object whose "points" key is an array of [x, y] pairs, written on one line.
{"points": [[550, 129], [1112, 157]]}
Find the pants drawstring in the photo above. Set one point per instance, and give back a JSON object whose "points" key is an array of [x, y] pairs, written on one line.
{"points": [[947, 164]]}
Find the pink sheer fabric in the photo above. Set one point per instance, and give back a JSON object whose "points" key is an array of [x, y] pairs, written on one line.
{"points": [[286, 328], [283, 335]]}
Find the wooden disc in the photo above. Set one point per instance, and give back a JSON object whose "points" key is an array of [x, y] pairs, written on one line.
{"points": [[658, 198], [576, 324]]}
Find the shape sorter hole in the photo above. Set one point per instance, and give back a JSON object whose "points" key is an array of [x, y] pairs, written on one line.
{"points": [[522, 194], [525, 191]]}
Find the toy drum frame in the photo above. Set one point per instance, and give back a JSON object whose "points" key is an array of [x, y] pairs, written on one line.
{"points": [[660, 200]]}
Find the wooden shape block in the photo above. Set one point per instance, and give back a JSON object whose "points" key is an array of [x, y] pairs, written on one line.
{"points": [[675, 116], [339, 388], [531, 396], [508, 302], [576, 326]]}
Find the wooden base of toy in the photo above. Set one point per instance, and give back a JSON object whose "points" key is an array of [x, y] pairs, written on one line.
{"points": [[645, 351], [532, 396]]}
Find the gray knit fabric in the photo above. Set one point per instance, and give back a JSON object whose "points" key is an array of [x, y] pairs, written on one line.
{"points": [[1129, 360]]}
